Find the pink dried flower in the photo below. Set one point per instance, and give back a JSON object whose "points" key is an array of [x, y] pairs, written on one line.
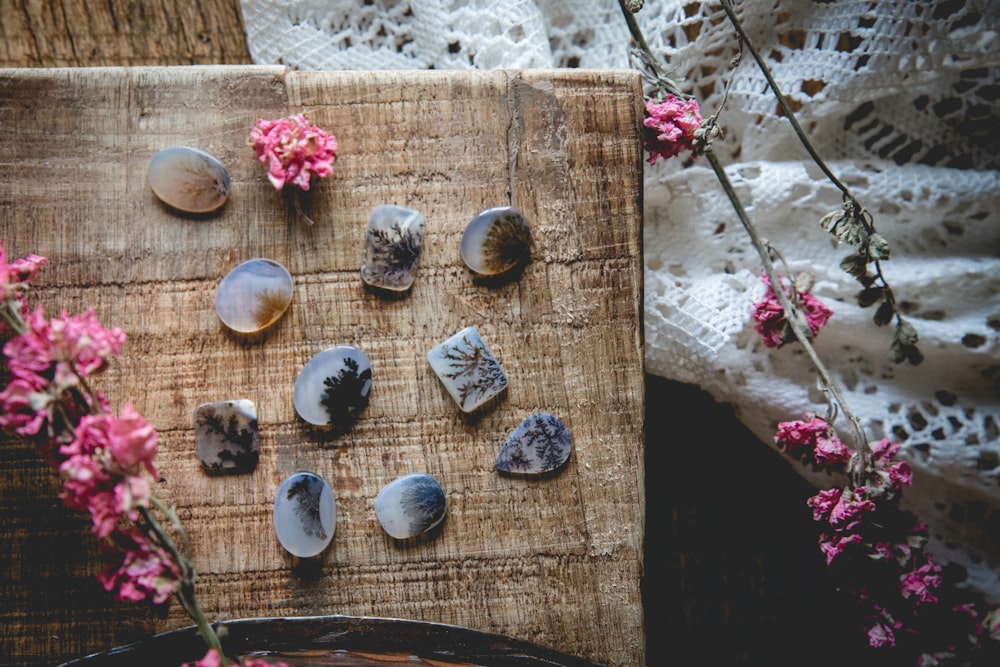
{"points": [[881, 635], [823, 503], [144, 571], [61, 348], [812, 441], [15, 275], [850, 509], [103, 468], [670, 127], [293, 150], [832, 547], [24, 407], [769, 317], [921, 583], [211, 659]]}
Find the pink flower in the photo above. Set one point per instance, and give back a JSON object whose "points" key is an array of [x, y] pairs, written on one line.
{"points": [[23, 407], [795, 434], [144, 571], [15, 275], [132, 440], [831, 451], [769, 317], [74, 345], [823, 503], [102, 471], [670, 127], [293, 150], [832, 547], [920, 583], [881, 635], [211, 659], [850, 509]]}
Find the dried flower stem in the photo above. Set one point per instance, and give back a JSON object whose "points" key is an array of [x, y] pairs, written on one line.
{"points": [[185, 594], [792, 315], [853, 206], [799, 328]]}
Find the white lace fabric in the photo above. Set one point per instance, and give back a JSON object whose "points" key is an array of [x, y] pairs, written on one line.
{"points": [[900, 97]]}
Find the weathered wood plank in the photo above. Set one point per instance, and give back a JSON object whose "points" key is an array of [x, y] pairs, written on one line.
{"points": [[556, 562]]}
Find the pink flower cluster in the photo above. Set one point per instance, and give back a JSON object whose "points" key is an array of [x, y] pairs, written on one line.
{"points": [[293, 150], [769, 317], [865, 533], [139, 569], [670, 127], [103, 468], [105, 460]]}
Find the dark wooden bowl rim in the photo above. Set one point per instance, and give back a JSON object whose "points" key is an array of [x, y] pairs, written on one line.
{"points": [[432, 641]]}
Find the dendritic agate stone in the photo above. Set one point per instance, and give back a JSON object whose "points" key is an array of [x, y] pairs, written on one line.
{"points": [[334, 386], [540, 444], [305, 514], [392, 247], [226, 436], [410, 505], [496, 241], [188, 179], [254, 295], [468, 369]]}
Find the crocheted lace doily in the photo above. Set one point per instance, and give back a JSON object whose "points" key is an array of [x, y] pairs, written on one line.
{"points": [[900, 95]]}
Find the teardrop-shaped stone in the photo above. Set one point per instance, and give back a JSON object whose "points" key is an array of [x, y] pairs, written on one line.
{"points": [[540, 444], [467, 369], [188, 179], [496, 241], [254, 295], [410, 505], [226, 436], [334, 386], [305, 514], [392, 247]]}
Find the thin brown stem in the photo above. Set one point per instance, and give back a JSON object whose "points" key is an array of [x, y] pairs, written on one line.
{"points": [[727, 7], [793, 316]]}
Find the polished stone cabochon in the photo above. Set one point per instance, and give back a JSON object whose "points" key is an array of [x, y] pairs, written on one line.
{"points": [[305, 514], [254, 295], [410, 505], [188, 179]]}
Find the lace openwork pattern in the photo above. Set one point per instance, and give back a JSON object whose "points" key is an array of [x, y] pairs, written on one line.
{"points": [[901, 96]]}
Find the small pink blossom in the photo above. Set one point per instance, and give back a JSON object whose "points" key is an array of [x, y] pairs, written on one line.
{"points": [[293, 150], [823, 503], [102, 471], [881, 635], [921, 583], [15, 275], [670, 127], [850, 510], [211, 659], [769, 316], [144, 571], [834, 546], [63, 347], [23, 406], [796, 434], [831, 451]]}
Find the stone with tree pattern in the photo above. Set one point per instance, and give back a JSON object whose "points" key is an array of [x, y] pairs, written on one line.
{"points": [[392, 247], [226, 436], [410, 505], [540, 444], [305, 514], [467, 368], [333, 387]]}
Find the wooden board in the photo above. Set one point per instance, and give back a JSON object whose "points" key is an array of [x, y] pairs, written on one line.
{"points": [[556, 562]]}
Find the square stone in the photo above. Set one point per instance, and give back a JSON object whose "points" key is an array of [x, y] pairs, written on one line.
{"points": [[468, 369], [226, 436]]}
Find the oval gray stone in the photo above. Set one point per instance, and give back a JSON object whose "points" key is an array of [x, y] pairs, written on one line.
{"points": [[305, 514], [188, 179], [410, 505]]}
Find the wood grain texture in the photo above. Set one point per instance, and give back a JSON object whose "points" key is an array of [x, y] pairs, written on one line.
{"points": [[85, 33], [556, 562]]}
